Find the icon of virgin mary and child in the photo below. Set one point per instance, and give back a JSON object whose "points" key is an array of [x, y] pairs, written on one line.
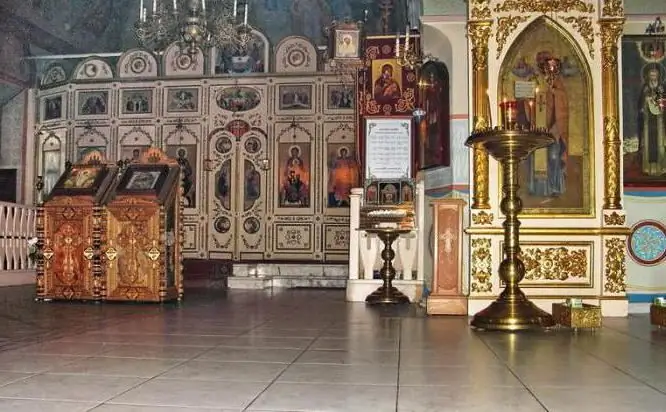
{"points": [[295, 187]]}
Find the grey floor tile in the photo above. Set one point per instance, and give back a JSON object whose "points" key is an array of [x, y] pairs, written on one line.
{"points": [[226, 371], [33, 363], [340, 374], [206, 394], [326, 398], [232, 354], [9, 377], [600, 399], [478, 376], [141, 368], [91, 388], [32, 405], [451, 398], [110, 407], [367, 357]]}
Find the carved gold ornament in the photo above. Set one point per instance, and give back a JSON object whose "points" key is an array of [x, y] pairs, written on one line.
{"points": [[111, 254], [554, 263], [88, 253], [481, 266], [544, 6], [614, 266], [47, 253], [615, 219], [505, 26], [153, 253], [612, 145], [586, 317], [482, 218], [480, 9], [612, 8], [611, 30], [584, 27], [479, 33], [480, 197]]}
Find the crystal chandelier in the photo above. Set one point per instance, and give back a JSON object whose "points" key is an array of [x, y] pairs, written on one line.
{"points": [[195, 27]]}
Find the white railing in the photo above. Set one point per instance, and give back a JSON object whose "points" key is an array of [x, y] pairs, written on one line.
{"points": [[17, 226]]}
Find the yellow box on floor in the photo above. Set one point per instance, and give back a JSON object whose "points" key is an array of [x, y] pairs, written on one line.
{"points": [[586, 316]]}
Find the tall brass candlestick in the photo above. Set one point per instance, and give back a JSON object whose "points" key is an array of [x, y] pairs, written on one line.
{"points": [[512, 310]]}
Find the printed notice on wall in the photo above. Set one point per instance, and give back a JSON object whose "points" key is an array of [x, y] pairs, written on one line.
{"points": [[388, 148]]}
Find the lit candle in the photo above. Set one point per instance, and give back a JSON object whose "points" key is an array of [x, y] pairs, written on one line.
{"points": [[141, 11], [407, 38], [203, 6], [245, 18], [154, 6], [145, 12], [235, 7], [532, 115], [397, 46], [175, 5]]}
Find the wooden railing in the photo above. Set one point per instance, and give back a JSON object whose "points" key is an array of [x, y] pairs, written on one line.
{"points": [[17, 226]]}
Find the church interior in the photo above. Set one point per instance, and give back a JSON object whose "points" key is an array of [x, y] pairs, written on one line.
{"points": [[346, 205]]}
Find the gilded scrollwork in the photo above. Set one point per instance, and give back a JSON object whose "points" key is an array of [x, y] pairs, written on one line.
{"points": [[615, 219], [480, 199], [544, 6], [482, 218], [612, 144], [584, 27], [611, 30], [480, 9], [554, 263], [479, 33], [612, 8], [615, 270], [505, 26], [481, 266]]}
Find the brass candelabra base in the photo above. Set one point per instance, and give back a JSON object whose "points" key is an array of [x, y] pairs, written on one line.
{"points": [[512, 310], [387, 293]]}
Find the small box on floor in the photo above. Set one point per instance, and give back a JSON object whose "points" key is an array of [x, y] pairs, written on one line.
{"points": [[658, 315], [575, 314]]}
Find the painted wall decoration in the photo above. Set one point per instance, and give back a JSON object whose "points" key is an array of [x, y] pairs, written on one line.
{"points": [[93, 103], [132, 153], [647, 242], [182, 100], [644, 115], [555, 180], [223, 185], [433, 132], [238, 99], [343, 173], [52, 108], [186, 155], [233, 61], [295, 97], [252, 185], [339, 97], [136, 101], [294, 161]]}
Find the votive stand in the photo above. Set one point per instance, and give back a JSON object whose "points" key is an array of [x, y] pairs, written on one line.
{"points": [[512, 310], [387, 293]]}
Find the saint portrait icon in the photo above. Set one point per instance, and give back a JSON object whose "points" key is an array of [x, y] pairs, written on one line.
{"points": [[386, 86], [143, 180], [346, 44]]}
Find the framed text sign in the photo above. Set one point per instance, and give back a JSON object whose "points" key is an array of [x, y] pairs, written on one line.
{"points": [[388, 148]]}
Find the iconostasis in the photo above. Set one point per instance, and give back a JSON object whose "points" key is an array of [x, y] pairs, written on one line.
{"points": [[266, 141]]}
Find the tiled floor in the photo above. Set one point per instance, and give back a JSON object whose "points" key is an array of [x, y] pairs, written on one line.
{"points": [[309, 350]]}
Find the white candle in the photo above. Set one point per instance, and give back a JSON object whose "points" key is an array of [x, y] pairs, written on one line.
{"points": [[141, 11], [203, 5], [407, 38], [154, 6], [397, 46], [175, 5], [245, 18], [235, 7]]}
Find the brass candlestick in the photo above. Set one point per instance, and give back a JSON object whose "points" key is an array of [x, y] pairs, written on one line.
{"points": [[387, 293], [512, 310]]}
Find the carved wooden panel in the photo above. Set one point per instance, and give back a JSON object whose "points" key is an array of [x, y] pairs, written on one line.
{"points": [[68, 251]]}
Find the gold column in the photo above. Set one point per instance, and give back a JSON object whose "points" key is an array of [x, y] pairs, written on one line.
{"points": [[479, 32], [611, 30]]}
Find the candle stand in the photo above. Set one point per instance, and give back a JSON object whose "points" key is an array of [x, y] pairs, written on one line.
{"points": [[387, 293], [512, 310]]}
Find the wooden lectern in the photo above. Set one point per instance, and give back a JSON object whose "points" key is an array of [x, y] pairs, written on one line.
{"points": [[70, 232], [447, 297], [143, 253]]}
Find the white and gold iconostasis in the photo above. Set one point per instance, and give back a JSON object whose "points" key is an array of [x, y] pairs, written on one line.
{"points": [[259, 137], [573, 225]]}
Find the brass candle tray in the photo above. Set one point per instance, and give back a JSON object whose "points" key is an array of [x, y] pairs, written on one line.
{"points": [[658, 315], [401, 217], [583, 317]]}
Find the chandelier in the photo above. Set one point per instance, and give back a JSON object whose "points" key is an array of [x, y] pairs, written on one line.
{"points": [[194, 27]]}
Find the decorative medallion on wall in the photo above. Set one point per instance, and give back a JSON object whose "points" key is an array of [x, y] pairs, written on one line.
{"points": [[295, 54], [647, 242], [137, 63], [251, 225], [223, 145], [93, 68], [238, 99], [179, 63], [222, 224], [54, 75], [252, 145]]}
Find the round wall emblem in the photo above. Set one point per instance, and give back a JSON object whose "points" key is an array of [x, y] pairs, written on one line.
{"points": [[647, 242]]}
